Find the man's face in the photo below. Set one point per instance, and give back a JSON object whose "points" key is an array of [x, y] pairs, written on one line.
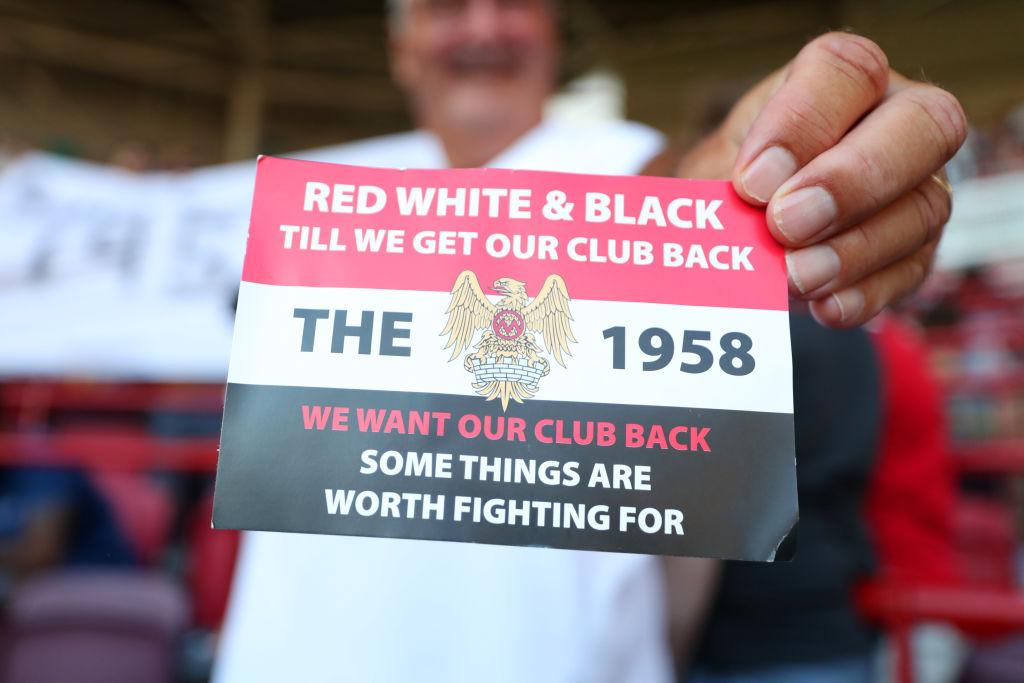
{"points": [[479, 64]]}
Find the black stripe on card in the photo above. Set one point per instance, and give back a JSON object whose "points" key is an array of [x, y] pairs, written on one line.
{"points": [[291, 460]]}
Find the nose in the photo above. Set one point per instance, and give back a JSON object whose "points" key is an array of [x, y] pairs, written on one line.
{"points": [[482, 18]]}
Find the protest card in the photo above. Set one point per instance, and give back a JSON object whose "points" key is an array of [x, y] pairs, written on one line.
{"points": [[510, 357]]}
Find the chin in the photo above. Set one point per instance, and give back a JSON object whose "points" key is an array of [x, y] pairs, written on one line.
{"points": [[490, 107]]}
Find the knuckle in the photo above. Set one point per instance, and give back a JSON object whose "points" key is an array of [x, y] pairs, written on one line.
{"points": [[932, 207], [858, 58], [857, 251], [861, 165], [944, 113], [896, 281], [858, 247], [811, 123]]}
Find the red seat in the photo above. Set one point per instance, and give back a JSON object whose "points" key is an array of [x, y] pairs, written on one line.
{"points": [[93, 627], [211, 565], [985, 536], [985, 603]]}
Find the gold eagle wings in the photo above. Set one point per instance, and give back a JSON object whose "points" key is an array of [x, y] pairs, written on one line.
{"points": [[470, 310]]}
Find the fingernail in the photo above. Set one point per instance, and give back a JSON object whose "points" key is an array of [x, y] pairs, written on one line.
{"points": [[802, 214], [838, 307], [812, 267], [767, 172]]}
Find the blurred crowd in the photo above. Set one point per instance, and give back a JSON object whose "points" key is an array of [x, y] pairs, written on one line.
{"points": [[993, 149]]}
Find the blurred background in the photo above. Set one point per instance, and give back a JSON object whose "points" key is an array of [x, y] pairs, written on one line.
{"points": [[126, 127]]}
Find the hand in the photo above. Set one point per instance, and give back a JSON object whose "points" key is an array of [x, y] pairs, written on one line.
{"points": [[842, 151]]}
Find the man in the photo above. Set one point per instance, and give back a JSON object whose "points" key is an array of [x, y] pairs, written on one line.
{"points": [[814, 143]]}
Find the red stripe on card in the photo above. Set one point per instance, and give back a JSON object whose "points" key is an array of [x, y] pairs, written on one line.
{"points": [[738, 265]]}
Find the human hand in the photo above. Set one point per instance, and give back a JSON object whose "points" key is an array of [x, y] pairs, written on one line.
{"points": [[847, 155]]}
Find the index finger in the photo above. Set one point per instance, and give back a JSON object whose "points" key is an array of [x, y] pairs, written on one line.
{"points": [[830, 84]]}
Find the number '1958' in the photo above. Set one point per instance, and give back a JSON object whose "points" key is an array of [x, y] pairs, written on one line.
{"points": [[657, 343]]}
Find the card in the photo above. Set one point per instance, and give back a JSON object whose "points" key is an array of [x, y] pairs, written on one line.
{"points": [[510, 357]]}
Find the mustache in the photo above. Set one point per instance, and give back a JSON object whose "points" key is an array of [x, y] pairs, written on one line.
{"points": [[497, 57]]}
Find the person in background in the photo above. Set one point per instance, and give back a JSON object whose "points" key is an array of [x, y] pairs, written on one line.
{"points": [[814, 144], [53, 517], [876, 490], [911, 495], [912, 491], [791, 622]]}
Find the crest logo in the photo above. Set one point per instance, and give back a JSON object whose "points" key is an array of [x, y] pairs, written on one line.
{"points": [[507, 363], [508, 324]]}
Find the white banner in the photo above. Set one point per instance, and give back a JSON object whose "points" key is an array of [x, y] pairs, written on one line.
{"points": [[987, 223], [114, 274]]}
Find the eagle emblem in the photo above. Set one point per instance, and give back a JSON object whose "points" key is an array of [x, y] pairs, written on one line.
{"points": [[507, 363]]}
